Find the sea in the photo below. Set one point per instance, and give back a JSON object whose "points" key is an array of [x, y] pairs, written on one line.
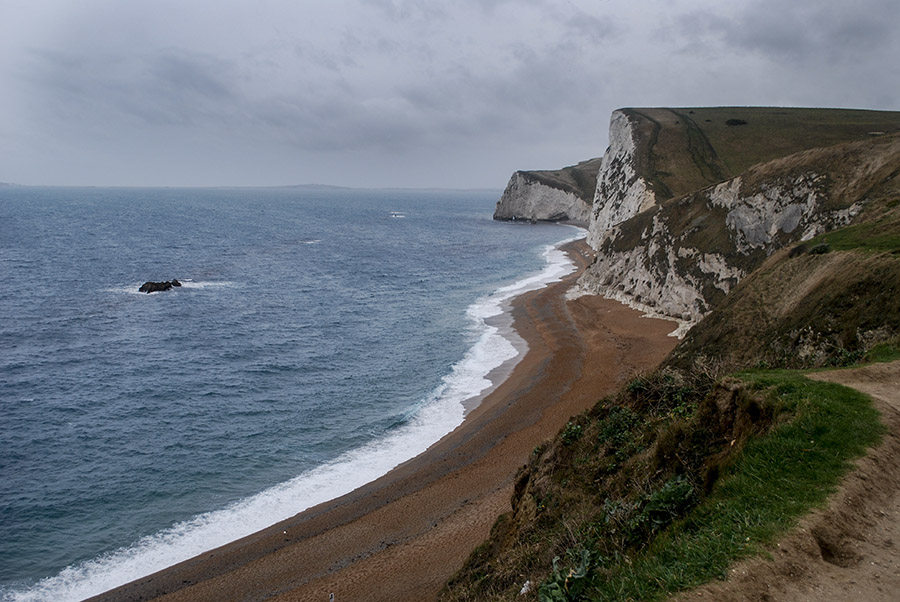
{"points": [[320, 338]]}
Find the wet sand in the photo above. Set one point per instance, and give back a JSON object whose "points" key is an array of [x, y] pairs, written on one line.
{"points": [[401, 537]]}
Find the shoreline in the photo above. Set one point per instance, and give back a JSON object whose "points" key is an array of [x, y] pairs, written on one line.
{"points": [[402, 536]]}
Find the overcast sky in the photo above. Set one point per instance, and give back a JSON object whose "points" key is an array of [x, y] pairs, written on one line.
{"points": [[409, 93]]}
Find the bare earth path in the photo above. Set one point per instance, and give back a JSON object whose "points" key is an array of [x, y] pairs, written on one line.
{"points": [[849, 551]]}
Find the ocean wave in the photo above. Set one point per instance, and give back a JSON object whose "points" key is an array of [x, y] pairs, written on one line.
{"points": [[202, 284], [439, 413]]}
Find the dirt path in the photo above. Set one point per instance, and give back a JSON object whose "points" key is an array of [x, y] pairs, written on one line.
{"points": [[849, 551]]}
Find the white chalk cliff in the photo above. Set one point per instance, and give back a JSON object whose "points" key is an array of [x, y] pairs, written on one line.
{"points": [[677, 258], [622, 192], [550, 195], [528, 198]]}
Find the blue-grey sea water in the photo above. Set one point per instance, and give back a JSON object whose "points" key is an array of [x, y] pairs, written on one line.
{"points": [[321, 337]]}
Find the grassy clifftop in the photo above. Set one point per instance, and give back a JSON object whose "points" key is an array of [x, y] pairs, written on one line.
{"points": [[686, 149]]}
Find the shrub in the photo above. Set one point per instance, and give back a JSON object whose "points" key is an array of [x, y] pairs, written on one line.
{"points": [[618, 425], [663, 391], [571, 433], [568, 586]]}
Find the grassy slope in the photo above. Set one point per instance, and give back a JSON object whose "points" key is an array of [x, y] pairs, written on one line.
{"points": [[774, 480], [803, 308], [580, 179], [662, 487]]}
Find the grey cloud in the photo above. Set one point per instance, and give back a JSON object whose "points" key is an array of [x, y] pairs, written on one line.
{"points": [[405, 10], [832, 30], [174, 88], [493, 84], [593, 29]]}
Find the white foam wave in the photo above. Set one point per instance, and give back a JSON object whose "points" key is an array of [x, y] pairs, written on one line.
{"points": [[205, 284], [439, 414]]}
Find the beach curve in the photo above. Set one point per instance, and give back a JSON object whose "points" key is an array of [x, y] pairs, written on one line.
{"points": [[402, 536]]}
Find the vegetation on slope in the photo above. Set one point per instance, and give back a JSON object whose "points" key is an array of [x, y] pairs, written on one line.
{"points": [[663, 486], [824, 302]]}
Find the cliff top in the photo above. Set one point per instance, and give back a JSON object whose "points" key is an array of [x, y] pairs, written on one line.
{"points": [[685, 149]]}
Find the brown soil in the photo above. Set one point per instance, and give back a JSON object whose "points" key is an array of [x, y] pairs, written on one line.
{"points": [[403, 536], [850, 550]]}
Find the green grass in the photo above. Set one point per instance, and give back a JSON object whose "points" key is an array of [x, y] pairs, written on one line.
{"points": [[776, 479], [665, 485], [883, 352], [882, 236]]}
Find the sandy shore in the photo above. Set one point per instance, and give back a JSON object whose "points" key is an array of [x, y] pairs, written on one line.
{"points": [[404, 535]]}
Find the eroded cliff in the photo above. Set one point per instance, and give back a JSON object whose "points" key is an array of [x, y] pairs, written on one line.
{"points": [[559, 195], [675, 249]]}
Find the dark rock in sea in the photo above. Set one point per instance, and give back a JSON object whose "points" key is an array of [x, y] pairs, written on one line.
{"points": [[154, 287]]}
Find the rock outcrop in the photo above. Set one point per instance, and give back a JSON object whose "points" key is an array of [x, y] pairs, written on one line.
{"points": [[560, 195], [156, 287]]}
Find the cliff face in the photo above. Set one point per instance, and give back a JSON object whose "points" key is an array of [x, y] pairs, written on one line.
{"points": [[622, 191], [676, 254], [687, 202], [527, 198], [563, 194], [682, 257]]}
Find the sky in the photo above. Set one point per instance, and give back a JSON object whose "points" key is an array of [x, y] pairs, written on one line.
{"points": [[399, 93]]}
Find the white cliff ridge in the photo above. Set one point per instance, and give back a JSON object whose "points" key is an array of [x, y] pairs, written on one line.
{"points": [[672, 272], [622, 191]]}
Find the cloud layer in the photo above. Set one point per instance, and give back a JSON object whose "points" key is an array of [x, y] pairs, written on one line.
{"points": [[399, 92]]}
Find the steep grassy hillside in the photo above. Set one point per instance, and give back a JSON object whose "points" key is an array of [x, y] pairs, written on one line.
{"points": [[661, 487], [825, 302], [687, 149]]}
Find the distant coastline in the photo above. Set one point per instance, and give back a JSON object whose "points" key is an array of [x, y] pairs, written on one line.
{"points": [[307, 187]]}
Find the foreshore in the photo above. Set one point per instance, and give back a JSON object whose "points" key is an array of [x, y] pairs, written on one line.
{"points": [[404, 535]]}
